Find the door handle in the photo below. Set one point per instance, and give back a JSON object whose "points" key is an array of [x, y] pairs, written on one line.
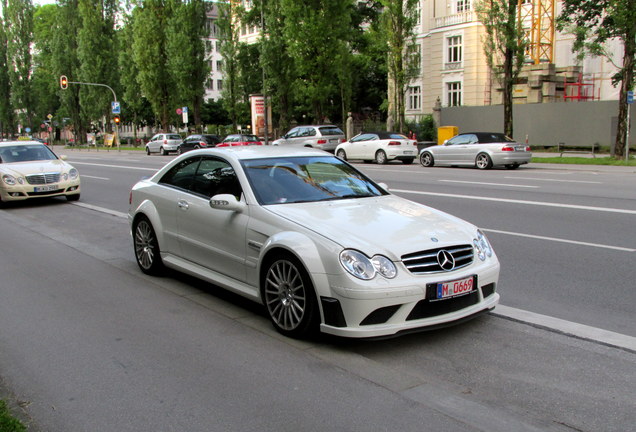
{"points": [[183, 205]]}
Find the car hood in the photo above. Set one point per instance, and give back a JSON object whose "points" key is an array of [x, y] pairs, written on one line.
{"points": [[387, 225], [35, 167]]}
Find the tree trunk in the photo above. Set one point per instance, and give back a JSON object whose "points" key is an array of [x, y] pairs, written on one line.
{"points": [[508, 68], [627, 84]]}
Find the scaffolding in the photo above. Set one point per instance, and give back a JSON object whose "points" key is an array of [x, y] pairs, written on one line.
{"points": [[579, 90], [537, 20]]}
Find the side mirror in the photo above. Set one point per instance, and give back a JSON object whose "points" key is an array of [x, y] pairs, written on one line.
{"points": [[227, 202], [384, 186], [63, 157]]}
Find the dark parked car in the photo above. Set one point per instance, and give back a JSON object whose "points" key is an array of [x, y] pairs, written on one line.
{"points": [[194, 142]]}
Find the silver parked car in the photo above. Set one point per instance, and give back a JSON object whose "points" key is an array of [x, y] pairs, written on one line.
{"points": [[163, 143], [325, 137], [483, 150]]}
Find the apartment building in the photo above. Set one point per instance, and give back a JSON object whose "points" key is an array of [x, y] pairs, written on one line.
{"points": [[454, 69], [214, 84]]}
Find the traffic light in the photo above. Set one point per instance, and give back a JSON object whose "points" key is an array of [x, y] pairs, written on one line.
{"points": [[64, 82], [116, 119]]}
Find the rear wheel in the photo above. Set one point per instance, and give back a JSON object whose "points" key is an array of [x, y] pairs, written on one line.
{"points": [[483, 161], [146, 247], [380, 157], [289, 297], [426, 159], [341, 154], [163, 151]]}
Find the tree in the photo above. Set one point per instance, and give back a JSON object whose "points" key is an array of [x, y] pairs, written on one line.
{"points": [[7, 121], [151, 57], [320, 55], [504, 47], [595, 22], [229, 50], [399, 18], [186, 54], [19, 16]]}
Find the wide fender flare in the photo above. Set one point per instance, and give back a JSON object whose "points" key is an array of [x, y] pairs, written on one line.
{"points": [[303, 248], [148, 209]]}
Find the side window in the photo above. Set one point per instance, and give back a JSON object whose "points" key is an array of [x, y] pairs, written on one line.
{"points": [[363, 137], [472, 139], [293, 133], [216, 176], [182, 174], [311, 132]]}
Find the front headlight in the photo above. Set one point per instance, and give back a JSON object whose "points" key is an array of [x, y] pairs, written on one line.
{"points": [[9, 179], [482, 246], [362, 267], [73, 174]]}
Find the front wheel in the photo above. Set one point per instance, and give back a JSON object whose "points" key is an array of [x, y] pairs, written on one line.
{"points": [[341, 154], [289, 297], [146, 247], [426, 159], [380, 157], [483, 161]]}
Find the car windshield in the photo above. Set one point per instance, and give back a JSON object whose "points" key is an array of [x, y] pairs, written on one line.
{"points": [[307, 179], [26, 153], [330, 130], [250, 138]]}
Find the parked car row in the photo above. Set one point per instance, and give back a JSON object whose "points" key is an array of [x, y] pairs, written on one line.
{"points": [[482, 150]]}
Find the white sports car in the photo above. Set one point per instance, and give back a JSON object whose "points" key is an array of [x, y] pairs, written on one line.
{"points": [[30, 169], [318, 243], [380, 147]]}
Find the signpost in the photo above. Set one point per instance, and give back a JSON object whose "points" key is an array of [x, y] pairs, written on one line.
{"points": [[630, 101]]}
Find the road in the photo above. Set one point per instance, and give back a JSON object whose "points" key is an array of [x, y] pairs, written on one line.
{"points": [[93, 344]]}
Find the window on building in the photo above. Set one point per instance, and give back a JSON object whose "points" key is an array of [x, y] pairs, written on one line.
{"points": [[454, 93], [209, 84], [454, 52], [415, 58], [211, 65], [463, 6], [219, 65], [414, 98], [418, 14], [219, 85]]}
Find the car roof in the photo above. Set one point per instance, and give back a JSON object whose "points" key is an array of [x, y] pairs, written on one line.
{"points": [[14, 143], [259, 152], [382, 134]]}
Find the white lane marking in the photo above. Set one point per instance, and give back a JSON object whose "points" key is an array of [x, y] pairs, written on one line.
{"points": [[555, 180], [534, 319], [536, 203], [568, 328], [488, 184], [95, 177], [117, 166], [554, 239]]}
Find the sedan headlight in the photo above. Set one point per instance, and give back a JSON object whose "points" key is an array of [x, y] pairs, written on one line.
{"points": [[73, 174], [11, 180], [482, 246], [362, 267]]}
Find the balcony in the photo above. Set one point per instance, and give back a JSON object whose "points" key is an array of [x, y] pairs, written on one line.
{"points": [[451, 20]]}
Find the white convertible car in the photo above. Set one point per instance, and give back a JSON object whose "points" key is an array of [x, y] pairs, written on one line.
{"points": [[322, 246]]}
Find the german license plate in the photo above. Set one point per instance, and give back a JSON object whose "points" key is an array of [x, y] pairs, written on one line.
{"points": [[455, 288], [408, 152], [45, 188], [520, 148]]}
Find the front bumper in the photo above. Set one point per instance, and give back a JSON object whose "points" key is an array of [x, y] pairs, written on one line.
{"points": [[374, 311], [21, 192]]}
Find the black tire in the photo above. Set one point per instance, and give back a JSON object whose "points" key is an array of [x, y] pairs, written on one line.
{"points": [[146, 247], [148, 150], [512, 166], [341, 154], [289, 297], [407, 161], [380, 157], [427, 159], [75, 197], [483, 161], [162, 151]]}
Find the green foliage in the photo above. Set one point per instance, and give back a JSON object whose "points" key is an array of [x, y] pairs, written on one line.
{"points": [[8, 423], [424, 128]]}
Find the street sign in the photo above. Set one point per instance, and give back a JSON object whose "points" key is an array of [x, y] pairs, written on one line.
{"points": [[116, 107], [184, 109], [630, 97]]}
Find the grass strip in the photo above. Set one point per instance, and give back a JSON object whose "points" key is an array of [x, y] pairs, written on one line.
{"points": [[8, 423]]}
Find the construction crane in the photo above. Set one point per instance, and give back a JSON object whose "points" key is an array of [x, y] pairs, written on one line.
{"points": [[537, 18]]}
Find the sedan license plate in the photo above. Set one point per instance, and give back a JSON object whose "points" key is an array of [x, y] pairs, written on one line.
{"points": [[45, 188], [520, 148], [455, 288], [408, 152]]}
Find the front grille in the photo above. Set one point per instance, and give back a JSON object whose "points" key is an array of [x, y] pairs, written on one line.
{"points": [[34, 194], [425, 262], [45, 178], [430, 308]]}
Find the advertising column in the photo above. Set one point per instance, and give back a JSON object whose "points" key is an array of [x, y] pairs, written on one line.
{"points": [[258, 116]]}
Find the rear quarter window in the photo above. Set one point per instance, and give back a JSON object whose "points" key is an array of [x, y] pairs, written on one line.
{"points": [[330, 131]]}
